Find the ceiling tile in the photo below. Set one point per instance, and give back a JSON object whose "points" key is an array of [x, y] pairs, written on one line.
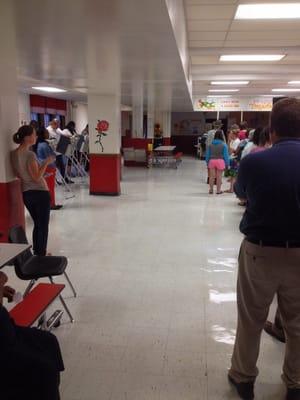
{"points": [[262, 43], [211, 25], [205, 43], [209, 2], [204, 59], [210, 12], [264, 35], [207, 36], [265, 25]]}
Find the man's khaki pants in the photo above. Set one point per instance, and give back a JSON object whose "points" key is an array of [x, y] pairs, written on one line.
{"points": [[263, 272]]}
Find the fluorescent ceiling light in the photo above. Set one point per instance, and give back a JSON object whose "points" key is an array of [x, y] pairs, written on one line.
{"points": [[229, 83], [211, 96], [286, 90], [48, 89], [252, 57], [294, 82], [224, 90], [268, 11]]}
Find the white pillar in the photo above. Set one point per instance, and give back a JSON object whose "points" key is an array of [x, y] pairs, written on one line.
{"points": [[104, 146], [150, 123], [138, 110], [166, 124], [11, 204], [9, 116]]}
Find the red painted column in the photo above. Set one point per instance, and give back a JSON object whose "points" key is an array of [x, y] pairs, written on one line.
{"points": [[105, 174]]}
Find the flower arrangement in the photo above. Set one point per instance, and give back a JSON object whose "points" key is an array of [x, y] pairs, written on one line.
{"points": [[101, 128]]}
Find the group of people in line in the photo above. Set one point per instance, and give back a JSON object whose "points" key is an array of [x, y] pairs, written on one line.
{"points": [[269, 258], [35, 162], [224, 155]]}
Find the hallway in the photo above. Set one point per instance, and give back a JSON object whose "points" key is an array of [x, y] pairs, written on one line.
{"points": [[155, 270]]}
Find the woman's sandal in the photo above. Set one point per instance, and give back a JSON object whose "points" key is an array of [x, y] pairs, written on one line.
{"points": [[228, 191], [220, 192], [211, 192]]}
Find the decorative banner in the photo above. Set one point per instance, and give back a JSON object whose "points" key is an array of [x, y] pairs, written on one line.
{"points": [[260, 104], [234, 104]]}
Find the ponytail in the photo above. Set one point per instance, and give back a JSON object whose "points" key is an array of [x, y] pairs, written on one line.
{"points": [[23, 131]]}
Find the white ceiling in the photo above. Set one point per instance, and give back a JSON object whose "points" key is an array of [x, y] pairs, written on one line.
{"points": [[212, 31], [101, 46]]}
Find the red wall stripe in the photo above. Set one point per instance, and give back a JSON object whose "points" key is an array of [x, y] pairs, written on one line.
{"points": [[11, 207]]}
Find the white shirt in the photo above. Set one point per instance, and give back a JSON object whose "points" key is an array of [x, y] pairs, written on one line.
{"points": [[67, 133], [247, 150], [234, 144]]}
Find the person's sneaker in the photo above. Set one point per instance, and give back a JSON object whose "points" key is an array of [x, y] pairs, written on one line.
{"points": [[56, 207], [245, 389], [293, 394]]}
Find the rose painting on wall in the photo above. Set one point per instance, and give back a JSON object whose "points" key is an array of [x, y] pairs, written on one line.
{"points": [[101, 128]]}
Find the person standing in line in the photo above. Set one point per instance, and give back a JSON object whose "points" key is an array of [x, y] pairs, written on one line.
{"points": [[54, 135], [217, 160], [243, 133], [269, 256], [234, 142], [70, 129], [36, 195], [43, 151], [217, 125]]}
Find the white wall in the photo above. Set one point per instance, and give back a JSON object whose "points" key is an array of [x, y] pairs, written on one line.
{"points": [[125, 122], [79, 114], [24, 108], [177, 16]]}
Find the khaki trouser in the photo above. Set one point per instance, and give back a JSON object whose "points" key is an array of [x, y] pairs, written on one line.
{"points": [[263, 272]]}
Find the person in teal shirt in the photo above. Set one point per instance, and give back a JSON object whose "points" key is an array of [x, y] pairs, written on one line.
{"points": [[217, 159]]}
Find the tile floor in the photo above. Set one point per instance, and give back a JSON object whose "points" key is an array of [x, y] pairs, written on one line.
{"points": [[155, 270]]}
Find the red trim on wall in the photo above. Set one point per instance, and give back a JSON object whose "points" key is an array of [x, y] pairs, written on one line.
{"points": [[105, 174], [11, 207], [136, 143], [167, 141], [47, 105]]}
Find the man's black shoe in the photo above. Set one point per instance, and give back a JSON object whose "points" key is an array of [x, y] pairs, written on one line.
{"points": [[56, 207], [293, 394], [69, 181], [277, 334], [244, 389]]}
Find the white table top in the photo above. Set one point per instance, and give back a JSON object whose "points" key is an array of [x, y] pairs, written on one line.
{"points": [[165, 148], [9, 251]]}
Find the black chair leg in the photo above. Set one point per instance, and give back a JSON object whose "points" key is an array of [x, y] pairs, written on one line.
{"points": [[70, 284], [63, 303], [29, 287], [66, 308]]}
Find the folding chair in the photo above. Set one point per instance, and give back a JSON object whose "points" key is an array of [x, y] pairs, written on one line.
{"points": [[29, 267]]}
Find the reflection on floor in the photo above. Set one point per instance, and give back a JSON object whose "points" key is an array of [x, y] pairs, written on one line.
{"points": [[155, 270]]}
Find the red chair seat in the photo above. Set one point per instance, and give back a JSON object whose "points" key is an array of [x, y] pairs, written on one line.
{"points": [[35, 303]]}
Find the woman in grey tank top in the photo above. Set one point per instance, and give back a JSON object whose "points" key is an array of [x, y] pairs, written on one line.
{"points": [[36, 195]]}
